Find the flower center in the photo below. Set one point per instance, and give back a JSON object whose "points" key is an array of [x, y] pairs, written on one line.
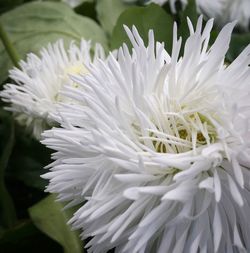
{"points": [[181, 133], [75, 69]]}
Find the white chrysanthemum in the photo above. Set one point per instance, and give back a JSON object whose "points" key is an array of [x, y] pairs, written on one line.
{"points": [[39, 81], [160, 150], [228, 10], [211, 9]]}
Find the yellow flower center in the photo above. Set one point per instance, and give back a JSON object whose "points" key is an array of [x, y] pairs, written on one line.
{"points": [[76, 69], [180, 133]]}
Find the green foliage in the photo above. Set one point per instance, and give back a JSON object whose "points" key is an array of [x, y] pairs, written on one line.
{"points": [[108, 12], [48, 216], [237, 45], [188, 12], [28, 160], [6, 5], [17, 232], [144, 18], [35, 24], [87, 9], [7, 209], [25, 237]]}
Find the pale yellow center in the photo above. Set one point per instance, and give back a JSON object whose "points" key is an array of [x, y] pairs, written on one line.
{"points": [[76, 69]]}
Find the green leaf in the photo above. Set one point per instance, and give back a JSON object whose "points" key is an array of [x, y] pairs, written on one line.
{"points": [[24, 236], [108, 12], [191, 13], [9, 4], [22, 230], [28, 170], [237, 45], [48, 216], [144, 18], [7, 208], [87, 9], [29, 157], [33, 25]]}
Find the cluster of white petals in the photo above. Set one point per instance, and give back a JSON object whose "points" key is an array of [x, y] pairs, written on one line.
{"points": [[157, 149], [38, 83], [230, 10], [211, 9]]}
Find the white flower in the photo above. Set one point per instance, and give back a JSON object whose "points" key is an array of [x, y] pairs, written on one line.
{"points": [[228, 10], [39, 81], [161, 148], [211, 9]]}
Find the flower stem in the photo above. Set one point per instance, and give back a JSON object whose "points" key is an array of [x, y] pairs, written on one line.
{"points": [[9, 46]]}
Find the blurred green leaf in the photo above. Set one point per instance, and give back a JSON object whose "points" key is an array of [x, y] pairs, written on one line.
{"points": [[237, 45], [48, 216], [11, 51], [191, 13], [28, 160], [25, 237], [7, 209], [87, 9], [22, 230], [108, 12], [6, 5], [29, 170], [144, 18], [35, 24]]}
